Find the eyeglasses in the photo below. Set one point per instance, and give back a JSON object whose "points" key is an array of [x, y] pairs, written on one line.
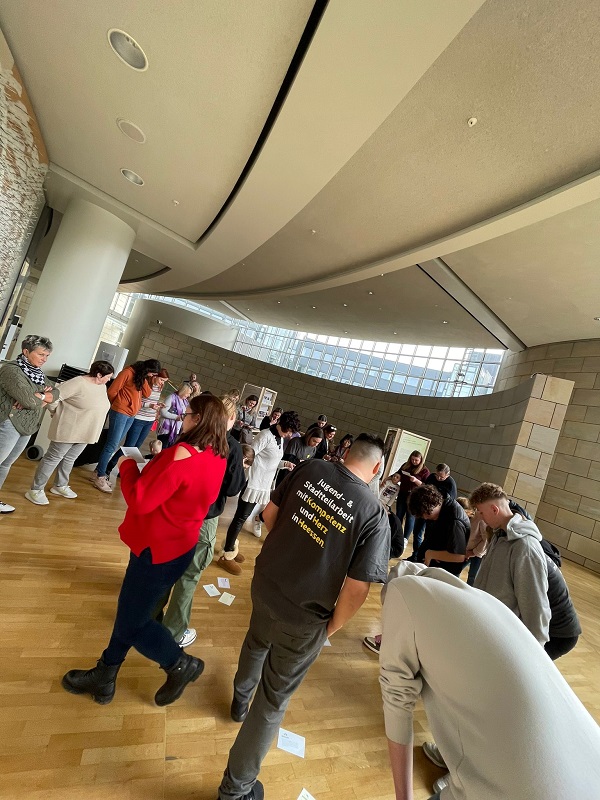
{"points": [[189, 414]]}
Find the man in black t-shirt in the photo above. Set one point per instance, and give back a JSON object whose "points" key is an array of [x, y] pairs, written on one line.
{"points": [[329, 540], [446, 532], [446, 486]]}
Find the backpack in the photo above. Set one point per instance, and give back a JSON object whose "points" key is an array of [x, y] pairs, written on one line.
{"points": [[549, 549]]}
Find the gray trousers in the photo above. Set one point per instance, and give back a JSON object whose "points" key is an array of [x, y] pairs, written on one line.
{"points": [[61, 454], [275, 657], [12, 444]]}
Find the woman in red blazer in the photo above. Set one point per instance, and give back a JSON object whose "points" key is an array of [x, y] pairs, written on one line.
{"points": [[166, 506]]}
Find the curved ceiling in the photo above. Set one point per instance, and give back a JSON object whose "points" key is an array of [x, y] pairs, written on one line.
{"points": [[370, 167]]}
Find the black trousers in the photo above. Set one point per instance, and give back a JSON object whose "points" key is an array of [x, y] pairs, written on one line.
{"points": [[143, 586], [557, 646], [242, 513]]}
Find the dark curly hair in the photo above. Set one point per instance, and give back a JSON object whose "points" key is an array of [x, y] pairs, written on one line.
{"points": [[424, 499], [289, 421], [141, 370]]}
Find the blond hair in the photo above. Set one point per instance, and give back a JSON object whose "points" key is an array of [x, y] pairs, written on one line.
{"points": [[230, 406], [487, 491]]}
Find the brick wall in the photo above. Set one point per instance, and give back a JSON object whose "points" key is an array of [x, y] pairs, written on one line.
{"points": [[569, 512], [507, 437], [23, 166]]}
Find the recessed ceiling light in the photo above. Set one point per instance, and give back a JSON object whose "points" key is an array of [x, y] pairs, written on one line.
{"points": [[444, 322], [395, 333], [313, 231], [131, 130], [279, 302], [133, 177], [345, 331], [382, 275], [472, 121], [345, 305], [597, 319], [175, 202], [314, 306], [127, 49], [370, 292]]}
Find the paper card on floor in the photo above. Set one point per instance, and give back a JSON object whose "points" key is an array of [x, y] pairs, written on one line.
{"points": [[305, 795], [211, 590], [291, 742], [133, 452], [327, 643], [223, 583], [227, 598]]}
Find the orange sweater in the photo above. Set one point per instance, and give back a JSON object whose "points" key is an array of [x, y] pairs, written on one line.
{"points": [[124, 396]]}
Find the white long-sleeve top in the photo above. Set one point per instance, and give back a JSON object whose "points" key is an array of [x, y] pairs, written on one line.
{"points": [[268, 456], [505, 720]]}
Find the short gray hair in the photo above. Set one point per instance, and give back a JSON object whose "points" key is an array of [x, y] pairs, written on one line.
{"points": [[32, 342]]}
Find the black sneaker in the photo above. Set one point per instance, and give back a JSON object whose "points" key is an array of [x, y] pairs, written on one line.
{"points": [[373, 643]]}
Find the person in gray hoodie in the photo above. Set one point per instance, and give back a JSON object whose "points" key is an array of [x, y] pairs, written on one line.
{"points": [[514, 570]]}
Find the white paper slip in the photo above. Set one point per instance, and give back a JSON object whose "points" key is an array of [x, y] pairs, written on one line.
{"points": [[327, 643], [211, 590], [305, 795], [291, 742], [223, 583], [227, 598], [133, 452]]}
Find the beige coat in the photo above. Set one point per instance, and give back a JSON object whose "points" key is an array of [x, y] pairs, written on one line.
{"points": [[80, 412]]}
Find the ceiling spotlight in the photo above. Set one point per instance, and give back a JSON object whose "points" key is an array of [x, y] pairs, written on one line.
{"points": [[175, 202], [472, 121], [127, 49], [345, 305], [132, 177], [370, 292], [313, 231], [314, 306], [131, 130], [279, 302], [444, 322], [597, 319], [345, 331], [382, 274], [395, 333]]}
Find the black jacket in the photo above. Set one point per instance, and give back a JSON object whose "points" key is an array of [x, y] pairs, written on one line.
{"points": [[233, 480]]}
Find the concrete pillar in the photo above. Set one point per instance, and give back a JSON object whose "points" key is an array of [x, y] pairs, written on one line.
{"points": [[78, 283]]}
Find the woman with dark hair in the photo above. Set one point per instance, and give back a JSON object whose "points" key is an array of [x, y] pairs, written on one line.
{"points": [[268, 458], [77, 420], [126, 393], [24, 392], [166, 506], [412, 474], [340, 452], [301, 449], [246, 420]]}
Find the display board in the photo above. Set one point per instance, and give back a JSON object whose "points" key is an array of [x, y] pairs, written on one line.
{"points": [[266, 400], [399, 444]]}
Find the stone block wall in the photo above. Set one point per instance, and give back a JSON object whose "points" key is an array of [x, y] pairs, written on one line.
{"points": [[507, 437], [23, 166], [569, 512]]}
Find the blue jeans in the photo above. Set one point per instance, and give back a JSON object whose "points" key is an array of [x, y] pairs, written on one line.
{"points": [[474, 564], [406, 518], [418, 533], [118, 425], [135, 438], [143, 586]]}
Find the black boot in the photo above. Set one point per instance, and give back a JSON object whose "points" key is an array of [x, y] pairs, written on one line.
{"points": [[186, 669], [100, 682]]}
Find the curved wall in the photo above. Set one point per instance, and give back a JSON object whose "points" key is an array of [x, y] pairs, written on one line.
{"points": [[569, 512], [505, 437]]}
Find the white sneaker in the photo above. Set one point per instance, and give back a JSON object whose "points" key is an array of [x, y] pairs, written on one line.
{"points": [[189, 637], [37, 496], [5, 508], [441, 783], [257, 527], [430, 749], [64, 491]]}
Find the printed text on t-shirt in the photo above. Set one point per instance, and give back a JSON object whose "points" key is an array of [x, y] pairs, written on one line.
{"points": [[323, 509]]}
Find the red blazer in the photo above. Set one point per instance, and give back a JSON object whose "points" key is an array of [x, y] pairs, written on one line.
{"points": [[167, 502]]}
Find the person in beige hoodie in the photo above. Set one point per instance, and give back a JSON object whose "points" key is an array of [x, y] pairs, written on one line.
{"points": [[506, 722]]}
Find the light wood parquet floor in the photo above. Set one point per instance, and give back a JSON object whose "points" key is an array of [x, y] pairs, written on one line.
{"points": [[60, 570]]}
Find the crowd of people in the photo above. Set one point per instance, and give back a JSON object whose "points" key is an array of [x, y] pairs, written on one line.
{"points": [[479, 652]]}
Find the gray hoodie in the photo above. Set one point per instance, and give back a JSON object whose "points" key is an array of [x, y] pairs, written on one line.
{"points": [[515, 572]]}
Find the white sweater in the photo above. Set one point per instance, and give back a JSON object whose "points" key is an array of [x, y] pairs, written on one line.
{"points": [[268, 456], [505, 720]]}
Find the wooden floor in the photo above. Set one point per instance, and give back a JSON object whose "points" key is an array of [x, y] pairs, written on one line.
{"points": [[60, 570]]}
